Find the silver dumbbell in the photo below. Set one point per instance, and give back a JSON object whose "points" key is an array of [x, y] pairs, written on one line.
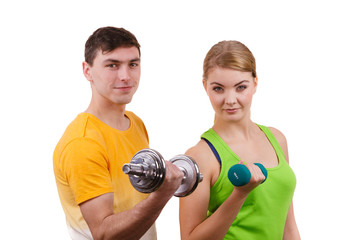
{"points": [[147, 171]]}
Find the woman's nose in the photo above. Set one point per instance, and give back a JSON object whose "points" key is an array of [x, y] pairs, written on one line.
{"points": [[230, 99]]}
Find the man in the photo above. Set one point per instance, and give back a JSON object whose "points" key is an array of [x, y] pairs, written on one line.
{"points": [[97, 197]]}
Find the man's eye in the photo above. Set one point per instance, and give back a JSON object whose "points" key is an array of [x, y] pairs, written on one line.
{"points": [[112, 65], [134, 64]]}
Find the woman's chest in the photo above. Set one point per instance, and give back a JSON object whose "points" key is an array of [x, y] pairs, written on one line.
{"points": [[257, 151]]}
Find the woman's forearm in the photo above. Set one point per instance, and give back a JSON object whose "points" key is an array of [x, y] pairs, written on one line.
{"points": [[217, 225]]}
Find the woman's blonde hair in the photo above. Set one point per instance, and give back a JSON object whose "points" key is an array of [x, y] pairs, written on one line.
{"points": [[229, 54]]}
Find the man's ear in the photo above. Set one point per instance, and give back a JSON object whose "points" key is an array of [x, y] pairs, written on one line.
{"points": [[87, 71]]}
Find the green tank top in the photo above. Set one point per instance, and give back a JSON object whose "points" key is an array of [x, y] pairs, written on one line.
{"points": [[264, 212]]}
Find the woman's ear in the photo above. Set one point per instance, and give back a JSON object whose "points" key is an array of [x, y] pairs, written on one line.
{"points": [[204, 85], [255, 84]]}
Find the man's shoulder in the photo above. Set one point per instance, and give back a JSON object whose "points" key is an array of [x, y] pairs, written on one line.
{"points": [[134, 118], [77, 127], [132, 115], [75, 130]]}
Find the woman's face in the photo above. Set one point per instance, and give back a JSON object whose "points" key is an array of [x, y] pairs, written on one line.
{"points": [[230, 93]]}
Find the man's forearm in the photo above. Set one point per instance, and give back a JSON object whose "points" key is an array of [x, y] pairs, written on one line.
{"points": [[133, 223]]}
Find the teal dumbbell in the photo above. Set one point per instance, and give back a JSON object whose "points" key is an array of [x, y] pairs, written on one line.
{"points": [[239, 174]]}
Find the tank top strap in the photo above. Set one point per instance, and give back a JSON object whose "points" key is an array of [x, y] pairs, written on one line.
{"points": [[225, 156], [273, 142], [213, 149]]}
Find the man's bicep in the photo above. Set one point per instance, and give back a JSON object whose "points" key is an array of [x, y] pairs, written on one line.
{"points": [[96, 210], [86, 168]]}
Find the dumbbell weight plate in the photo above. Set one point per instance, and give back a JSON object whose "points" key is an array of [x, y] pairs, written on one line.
{"points": [[192, 174], [153, 173]]}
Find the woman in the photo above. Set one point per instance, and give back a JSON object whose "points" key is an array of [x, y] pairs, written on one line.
{"points": [[217, 209]]}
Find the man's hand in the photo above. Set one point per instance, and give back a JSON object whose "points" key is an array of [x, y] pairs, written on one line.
{"points": [[172, 182]]}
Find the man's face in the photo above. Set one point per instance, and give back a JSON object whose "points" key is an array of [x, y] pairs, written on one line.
{"points": [[114, 76]]}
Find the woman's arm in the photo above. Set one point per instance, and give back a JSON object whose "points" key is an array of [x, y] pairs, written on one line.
{"points": [[291, 231], [194, 223]]}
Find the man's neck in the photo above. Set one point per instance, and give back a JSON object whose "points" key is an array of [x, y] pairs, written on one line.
{"points": [[112, 115]]}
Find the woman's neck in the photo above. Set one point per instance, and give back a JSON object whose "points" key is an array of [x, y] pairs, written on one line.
{"points": [[229, 131]]}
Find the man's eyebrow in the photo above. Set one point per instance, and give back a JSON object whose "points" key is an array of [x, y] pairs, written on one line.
{"points": [[117, 61], [111, 60]]}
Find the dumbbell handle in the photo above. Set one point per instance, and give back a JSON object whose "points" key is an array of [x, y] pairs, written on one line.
{"points": [[147, 170], [239, 174], [133, 169], [140, 170], [185, 174]]}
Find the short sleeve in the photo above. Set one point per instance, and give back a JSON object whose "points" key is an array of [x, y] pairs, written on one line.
{"points": [[84, 163]]}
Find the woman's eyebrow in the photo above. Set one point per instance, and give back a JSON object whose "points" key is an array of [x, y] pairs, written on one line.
{"points": [[241, 82], [216, 83]]}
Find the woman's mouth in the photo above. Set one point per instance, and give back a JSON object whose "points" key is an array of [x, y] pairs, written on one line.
{"points": [[231, 110]]}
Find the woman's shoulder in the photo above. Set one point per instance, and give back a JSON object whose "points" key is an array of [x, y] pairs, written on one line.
{"points": [[281, 139], [201, 150], [206, 160], [202, 154]]}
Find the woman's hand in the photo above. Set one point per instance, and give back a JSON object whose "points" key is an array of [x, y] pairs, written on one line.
{"points": [[257, 177]]}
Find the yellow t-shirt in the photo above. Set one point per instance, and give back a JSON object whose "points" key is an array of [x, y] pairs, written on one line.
{"points": [[88, 162]]}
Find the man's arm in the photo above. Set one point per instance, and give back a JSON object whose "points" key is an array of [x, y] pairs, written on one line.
{"points": [[131, 224]]}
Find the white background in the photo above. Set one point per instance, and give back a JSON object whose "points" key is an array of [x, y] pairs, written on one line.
{"points": [[308, 63]]}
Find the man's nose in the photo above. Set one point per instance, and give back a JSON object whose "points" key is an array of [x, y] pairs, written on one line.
{"points": [[124, 73]]}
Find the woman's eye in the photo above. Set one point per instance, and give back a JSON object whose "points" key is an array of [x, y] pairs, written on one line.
{"points": [[217, 89], [242, 87]]}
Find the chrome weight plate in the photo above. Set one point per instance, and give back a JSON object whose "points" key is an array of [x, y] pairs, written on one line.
{"points": [[146, 170], [192, 175]]}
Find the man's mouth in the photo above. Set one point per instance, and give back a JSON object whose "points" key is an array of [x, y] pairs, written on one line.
{"points": [[123, 88]]}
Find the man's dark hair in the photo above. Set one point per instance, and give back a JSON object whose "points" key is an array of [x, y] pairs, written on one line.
{"points": [[108, 39]]}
